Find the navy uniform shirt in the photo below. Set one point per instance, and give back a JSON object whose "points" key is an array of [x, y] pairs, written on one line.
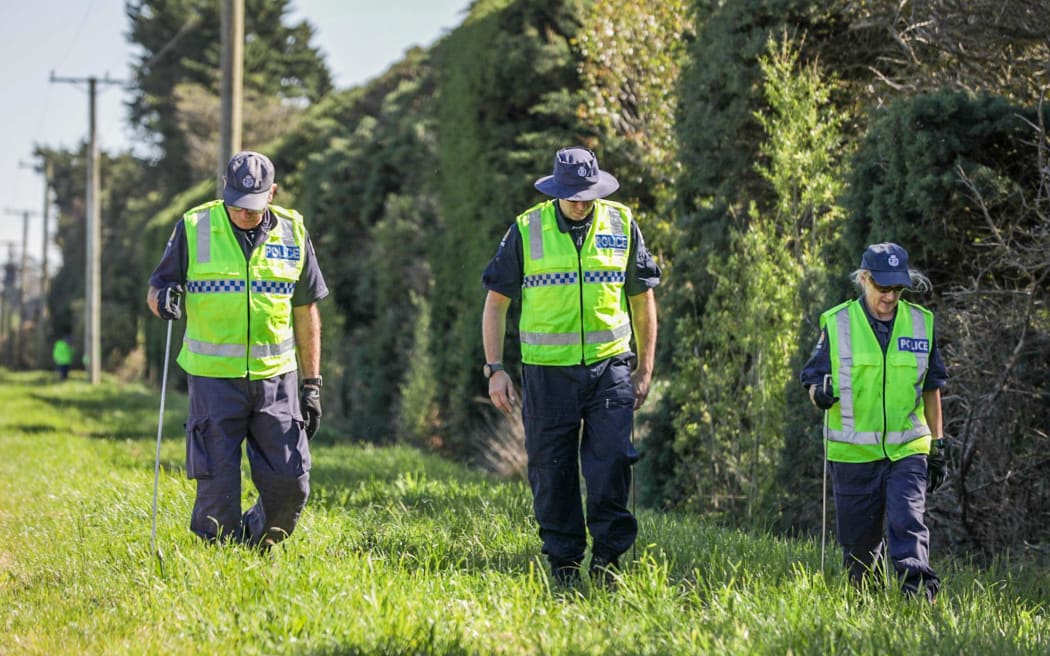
{"points": [[819, 363], [173, 265], [505, 273]]}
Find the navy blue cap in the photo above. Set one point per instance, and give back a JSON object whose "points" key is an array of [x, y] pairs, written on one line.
{"points": [[888, 265], [577, 176], [249, 178]]}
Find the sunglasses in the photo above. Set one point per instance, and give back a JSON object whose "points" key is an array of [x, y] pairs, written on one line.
{"points": [[887, 290], [251, 213]]}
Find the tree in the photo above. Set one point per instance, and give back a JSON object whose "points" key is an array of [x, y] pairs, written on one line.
{"points": [[961, 181], [181, 51], [738, 372], [962, 45]]}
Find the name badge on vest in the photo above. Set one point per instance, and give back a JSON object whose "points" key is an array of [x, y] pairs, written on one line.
{"points": [[282, 252], [912, 345], [615, 242]]}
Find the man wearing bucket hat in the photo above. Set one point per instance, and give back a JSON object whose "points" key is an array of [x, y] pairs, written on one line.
{"points": [[585, 280], [251, 283], [882, 414]]}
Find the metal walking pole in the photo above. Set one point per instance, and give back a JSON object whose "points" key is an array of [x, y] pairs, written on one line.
{"points": [[634, 499], [824, 486], [160, 430]]}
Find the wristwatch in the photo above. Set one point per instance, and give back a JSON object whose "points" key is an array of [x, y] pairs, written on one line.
{"points": [[318, 382], [938, 443], [491, 368]]}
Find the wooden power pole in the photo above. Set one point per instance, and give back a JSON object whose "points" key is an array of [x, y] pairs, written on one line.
{"points": [[43, 355], [232, 84], [93, 284], [20, 305]]}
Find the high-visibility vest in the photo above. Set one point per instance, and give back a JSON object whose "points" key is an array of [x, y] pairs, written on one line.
{"points": [[239, 313], [880, 413], [62, 354], [573, 304]]}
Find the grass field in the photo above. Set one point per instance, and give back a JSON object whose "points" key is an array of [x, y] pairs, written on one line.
{"points": [[400, 552]]}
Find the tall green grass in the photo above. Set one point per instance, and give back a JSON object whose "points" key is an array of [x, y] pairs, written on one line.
{"points": [[399, 552]]}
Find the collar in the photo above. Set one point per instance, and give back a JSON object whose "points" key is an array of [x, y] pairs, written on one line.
{"points": [[269, 221], [872, 319], [564, 224]]}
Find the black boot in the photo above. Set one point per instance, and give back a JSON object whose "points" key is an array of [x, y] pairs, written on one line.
{"points": [[565, 575], [604, 570]]}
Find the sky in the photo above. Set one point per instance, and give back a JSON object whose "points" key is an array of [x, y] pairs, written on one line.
{"points": [[78, 39]]}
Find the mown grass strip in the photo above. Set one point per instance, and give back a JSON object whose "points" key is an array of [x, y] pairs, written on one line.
{"points": [[400, 552]]}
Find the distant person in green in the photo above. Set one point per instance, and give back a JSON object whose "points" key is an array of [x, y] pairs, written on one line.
{"points": [[62, 354]]}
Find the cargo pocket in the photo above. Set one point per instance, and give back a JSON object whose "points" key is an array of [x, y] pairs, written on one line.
{"points": [[198, 461]]}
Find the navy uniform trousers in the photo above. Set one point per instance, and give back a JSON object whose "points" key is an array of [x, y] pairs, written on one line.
{"points": [[224, 412], [866, 495], [556, 401]]}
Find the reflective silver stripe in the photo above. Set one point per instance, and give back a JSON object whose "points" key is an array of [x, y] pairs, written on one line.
{"points": [[284, 227], [922, 361], [566, 339], [238, 350], [270, 350], [913, 433], [918, 332], [616, 221], [535, 222], [845, 381], [203, 237], [550, 339], [853, 437], [221, 350], [606, 336]]}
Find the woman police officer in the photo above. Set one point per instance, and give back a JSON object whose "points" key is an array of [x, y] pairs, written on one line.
{"points": [[877, 373]]}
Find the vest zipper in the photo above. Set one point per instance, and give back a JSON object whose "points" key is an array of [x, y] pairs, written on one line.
{"points": [[248, 310], [583, 330], [885, 421]]}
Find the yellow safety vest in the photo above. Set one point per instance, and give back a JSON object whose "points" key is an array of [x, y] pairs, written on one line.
{"points": [[239, 313], [880, 413], [573, 304]]}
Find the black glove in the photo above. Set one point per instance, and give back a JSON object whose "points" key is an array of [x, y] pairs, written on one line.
{"points": [[823, 399], [310, 403], [936, 471], [168, 302]]}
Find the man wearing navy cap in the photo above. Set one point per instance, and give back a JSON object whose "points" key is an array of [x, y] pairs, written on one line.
{"points": [[585, 280], [877, 374], [251, 284]]}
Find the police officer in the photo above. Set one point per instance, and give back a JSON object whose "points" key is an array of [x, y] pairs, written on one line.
{"points": [[582, 272], [882, 404], [251, 284]]}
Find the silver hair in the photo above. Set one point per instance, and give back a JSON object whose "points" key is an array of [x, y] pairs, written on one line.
{"points": [[919, 282]]}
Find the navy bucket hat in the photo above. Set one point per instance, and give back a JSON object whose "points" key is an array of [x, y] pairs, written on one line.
{"points": [[577, 176], [888, 265], [249, 178]]}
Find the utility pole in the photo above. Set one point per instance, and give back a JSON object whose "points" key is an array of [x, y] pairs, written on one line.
{"points": [[22, 267], [232, 83], [43, 359], [93, 290], [5, 302]]}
